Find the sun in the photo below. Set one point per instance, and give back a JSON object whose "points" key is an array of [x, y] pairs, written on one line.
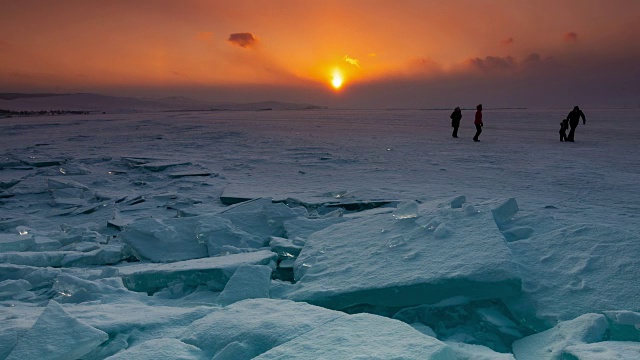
{"points": [[337, 79]]}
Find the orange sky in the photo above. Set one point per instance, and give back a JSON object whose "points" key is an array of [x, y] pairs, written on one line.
{"points": [[244, 50]]}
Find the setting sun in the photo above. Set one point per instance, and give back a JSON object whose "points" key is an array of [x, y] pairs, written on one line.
{"points": [[337, 80]]}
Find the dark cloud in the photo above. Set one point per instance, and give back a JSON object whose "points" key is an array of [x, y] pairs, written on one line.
{"points": [[507, 41], [493, 63], [570, 37], [244, 40], [531, 59], [425, 66]]}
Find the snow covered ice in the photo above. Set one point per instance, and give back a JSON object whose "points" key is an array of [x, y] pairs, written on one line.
{"points": [[319, 234]]}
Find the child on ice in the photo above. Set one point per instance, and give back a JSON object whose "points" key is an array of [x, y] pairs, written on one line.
{"points": [[564, 125]]}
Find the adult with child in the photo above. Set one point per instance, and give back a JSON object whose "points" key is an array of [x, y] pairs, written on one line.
{"points": [[574, 119], [456, 116], [478, 122]]}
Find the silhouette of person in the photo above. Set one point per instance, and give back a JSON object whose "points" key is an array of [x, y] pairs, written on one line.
{"points": [[456, 116], [564, 125], [478, 122], [574, 119]]}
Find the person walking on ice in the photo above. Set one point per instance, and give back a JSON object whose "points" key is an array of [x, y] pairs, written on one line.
{"points": [[574, 119], [478, 122], [456, 116]]}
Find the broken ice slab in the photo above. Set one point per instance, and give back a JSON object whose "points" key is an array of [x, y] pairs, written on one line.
{"points": [[105, 255], [165, 240], [6, 162], [248, 282], [66, 188], [585, 257], [15, 242], [9, 224], [476, 352], [605, 350], [57, 335], [623, 325], [262, 218], [550, 344], [483, 322], [362, 336], [159, 348], [381, 260], [5, 184], [248, 328], [10, 288], [162, 165], [361, 205], [233, 199], [285, 248], [184, 238], [214, 272], [299, 229], [191, 173], [36, 162]]}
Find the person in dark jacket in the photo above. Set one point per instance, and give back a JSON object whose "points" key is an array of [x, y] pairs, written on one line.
{"points": [[574, 119], [478, 122], [456, 116]]}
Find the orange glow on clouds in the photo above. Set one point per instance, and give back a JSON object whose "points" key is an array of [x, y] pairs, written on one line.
{"points": [[81, 45]]}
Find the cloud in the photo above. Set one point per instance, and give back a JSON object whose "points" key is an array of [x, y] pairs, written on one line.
{"points": [[244, 40], [533, 58], [351, 61], [425, 66], [493, 63], [507, 41], [205, 36], [570, 37]]}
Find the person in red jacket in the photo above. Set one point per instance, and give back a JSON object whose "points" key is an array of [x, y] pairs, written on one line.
{"points": [[478, 122]]}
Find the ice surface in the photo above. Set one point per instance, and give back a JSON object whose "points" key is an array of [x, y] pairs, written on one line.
{"points": [[623, 325], [551, 344], [71, 183], [259, 324], [476, 352], [262, 217], [247, 282], [285, 248], [11, 288], [17, 242], [214, 272], [606, 350], [487, 322], [362, 336], [576, 270], [299, 229], [160, 349], [57, 335], [383, 260], [165, 240]]}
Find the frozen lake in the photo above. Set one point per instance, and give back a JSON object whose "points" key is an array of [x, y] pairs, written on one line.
{"points": [[505, 245], [409, 154]]}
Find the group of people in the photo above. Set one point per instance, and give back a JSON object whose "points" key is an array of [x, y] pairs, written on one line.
{"points": [[572, 121], [456, 116]]}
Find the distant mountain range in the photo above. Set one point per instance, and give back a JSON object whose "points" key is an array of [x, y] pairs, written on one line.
{"points": [[112, 104]]}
